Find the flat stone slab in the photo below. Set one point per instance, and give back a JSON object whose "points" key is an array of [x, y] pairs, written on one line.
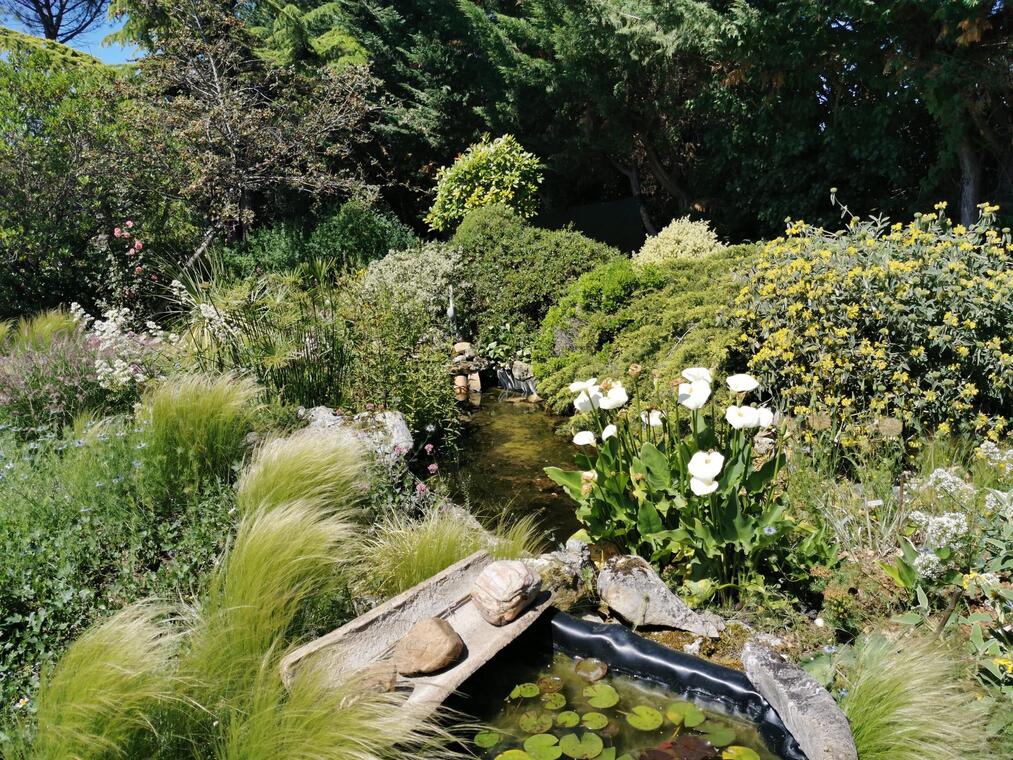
{"points": [[372, 637], [804, 706]]}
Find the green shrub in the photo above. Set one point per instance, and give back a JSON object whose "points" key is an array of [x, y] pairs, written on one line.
{"points": [[517, 271], [488, 173], [883, 320], [424, 276], [322, 469], [665, 318], [680, 239], [909, 699], [194, 431]]}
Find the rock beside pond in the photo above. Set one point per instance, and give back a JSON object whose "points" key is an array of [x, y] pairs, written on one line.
{"points": [[566, 566], [431, 645], [503, 590], [804, 706], [631, 588], [386, 433]]}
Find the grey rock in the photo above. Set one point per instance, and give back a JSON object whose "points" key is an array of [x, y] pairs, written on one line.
{"points": [[463, 348], [431, 645], [805, 707], [566, 566], [504, 590], [631, 588], [521, 371], [386, 433]]}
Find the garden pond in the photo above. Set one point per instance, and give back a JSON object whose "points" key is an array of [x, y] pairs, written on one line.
{"points": [[569, 708]]}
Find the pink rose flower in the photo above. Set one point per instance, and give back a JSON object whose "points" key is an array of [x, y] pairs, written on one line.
{"points": [[117, 231], [433, 468], [138, 245], [130, 224], [429, 448]]}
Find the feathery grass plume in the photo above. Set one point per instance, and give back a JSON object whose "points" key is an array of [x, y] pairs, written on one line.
{"points": [[39, 330], [6, 331], [321, 468], [404, 552], [330, 721], [279, 559], [910, 698], [99, 696], [194, 430]]}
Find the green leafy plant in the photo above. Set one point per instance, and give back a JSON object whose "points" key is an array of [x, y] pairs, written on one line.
{"points": [[686, 491], [490, 172], [680, 239]]}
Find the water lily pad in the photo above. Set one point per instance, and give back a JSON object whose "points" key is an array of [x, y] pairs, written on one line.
{"points": [[582, 747], [550, 684], [567, 719], [601, 695], [594, 720], [591, 669], [718, 734], [487, 739], [543, 747], [553, 701], [525, 690], [644, 718], [513, 754], [535, 722], [690, 747], [685, 713], [739, 752], [609, 753]]}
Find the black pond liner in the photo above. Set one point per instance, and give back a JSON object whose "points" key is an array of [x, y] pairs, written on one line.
{"points": [[629, 654]]}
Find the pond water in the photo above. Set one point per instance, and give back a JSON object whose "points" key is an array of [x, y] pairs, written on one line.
{"points": [[558, 710], [500, 472]]}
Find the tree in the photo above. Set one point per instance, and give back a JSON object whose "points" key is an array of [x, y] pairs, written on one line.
{"points": [[60, 20]]}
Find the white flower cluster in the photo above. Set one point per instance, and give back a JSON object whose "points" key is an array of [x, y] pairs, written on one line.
{"points": [[124, 356], [946, 482], [999, 503], [1002, 459], [945, 531], [928, 565]]}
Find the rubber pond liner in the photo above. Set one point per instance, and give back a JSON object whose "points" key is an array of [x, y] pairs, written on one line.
{"points": [[625, 653]]}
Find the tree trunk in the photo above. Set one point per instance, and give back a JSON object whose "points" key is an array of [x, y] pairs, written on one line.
{"points": [[634, 178], [970, 181], [664, 178]]}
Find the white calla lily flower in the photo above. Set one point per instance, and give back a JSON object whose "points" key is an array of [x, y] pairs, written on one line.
{"points": [[694, 395], [584, 438], [742, 383], [702, 487], [583, 385], [706, 465], [615, 397], [588, 400], [610, 431], [766, 417], [698, 373], [654, 418], [742, 417]]}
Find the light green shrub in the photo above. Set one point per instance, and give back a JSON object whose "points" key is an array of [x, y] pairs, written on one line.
{"points": [[910, 699], [680, 239], [424, 276], [319, 468], [490, 172], [882, 320]]}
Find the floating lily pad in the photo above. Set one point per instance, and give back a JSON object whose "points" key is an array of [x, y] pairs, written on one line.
{"points": [[738, 752], [644, 718], [525, 690], [717, 734], [513, 754], [685, 713], [543, 747], [567, 719], [594, 720], [487, 739], [689, 747], [550, 684], [553, 701], [582, 747], [591, 669], [535, 722], [601, 695], [609, 753]]}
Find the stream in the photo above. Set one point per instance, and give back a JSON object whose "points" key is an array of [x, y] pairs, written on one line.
{"points": [[500, 471]]}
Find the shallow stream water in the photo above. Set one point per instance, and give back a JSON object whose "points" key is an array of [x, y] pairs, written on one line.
{"points": [[500, 473]]}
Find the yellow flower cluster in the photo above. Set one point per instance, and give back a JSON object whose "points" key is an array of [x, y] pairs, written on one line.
{"points": [[910, 321]]}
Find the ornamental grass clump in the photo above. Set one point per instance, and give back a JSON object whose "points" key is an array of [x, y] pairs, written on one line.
{"points": [[886, 321]]}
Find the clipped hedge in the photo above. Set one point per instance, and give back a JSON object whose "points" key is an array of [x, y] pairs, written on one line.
{"points": [[665, 318], [517, 271]]}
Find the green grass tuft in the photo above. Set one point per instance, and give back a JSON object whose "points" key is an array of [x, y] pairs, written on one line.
{"points": [[318, 468], [910, 699], [39, 330]]}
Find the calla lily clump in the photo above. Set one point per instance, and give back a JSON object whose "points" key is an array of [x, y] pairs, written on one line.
{"points": [[676, 480]]}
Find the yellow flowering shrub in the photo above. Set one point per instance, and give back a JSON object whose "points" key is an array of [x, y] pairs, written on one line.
{"points": [[913, 321]]}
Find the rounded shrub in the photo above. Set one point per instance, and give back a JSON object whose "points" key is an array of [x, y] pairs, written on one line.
{"points": [[490, 172], [423, 276], [903, 321], [681, 239]]}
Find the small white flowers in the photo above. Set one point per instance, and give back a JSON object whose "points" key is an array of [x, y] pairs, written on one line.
{"points": [[742, 383], [695, 393], [654, 418], [704, 468], [584, 438], [609, 432]]}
